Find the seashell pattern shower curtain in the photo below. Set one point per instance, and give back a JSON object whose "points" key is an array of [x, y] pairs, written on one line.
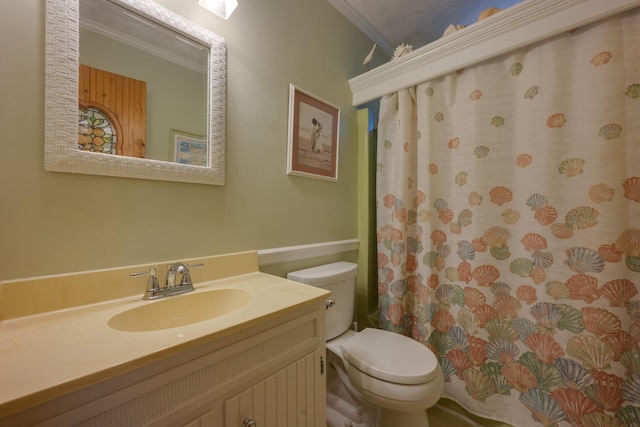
{"points": [[508, 210]]}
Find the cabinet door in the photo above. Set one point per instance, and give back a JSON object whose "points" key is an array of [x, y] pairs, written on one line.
{"points": [[293, 397]]}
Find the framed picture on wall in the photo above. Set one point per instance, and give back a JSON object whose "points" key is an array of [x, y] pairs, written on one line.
{"points": [[313, 136], [188, 148]]}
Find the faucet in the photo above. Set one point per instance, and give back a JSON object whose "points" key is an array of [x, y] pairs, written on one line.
{"points": [[154, 290]]}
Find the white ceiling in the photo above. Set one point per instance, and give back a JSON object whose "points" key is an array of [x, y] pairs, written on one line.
{"points": [[414, 22]]}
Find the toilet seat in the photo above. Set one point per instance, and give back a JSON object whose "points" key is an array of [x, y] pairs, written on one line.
{"points": [[390, 357]]}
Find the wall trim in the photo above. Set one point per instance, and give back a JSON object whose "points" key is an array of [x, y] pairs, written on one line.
{"points": [[518, 26], [296, 253]]}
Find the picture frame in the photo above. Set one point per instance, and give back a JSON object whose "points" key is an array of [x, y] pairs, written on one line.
{"points": [[313, 136], [188, 148]]}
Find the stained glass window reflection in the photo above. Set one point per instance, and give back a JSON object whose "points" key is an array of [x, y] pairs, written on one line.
{"points": [[95, 132]]}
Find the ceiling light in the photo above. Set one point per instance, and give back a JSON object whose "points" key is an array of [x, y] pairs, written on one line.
{"points": [[222, 8]]}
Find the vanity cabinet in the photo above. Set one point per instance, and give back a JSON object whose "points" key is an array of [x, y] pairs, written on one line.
{"points": [[270, 371]]}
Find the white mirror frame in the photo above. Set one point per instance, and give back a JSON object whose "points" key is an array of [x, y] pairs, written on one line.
{"points": [[61, 99]]}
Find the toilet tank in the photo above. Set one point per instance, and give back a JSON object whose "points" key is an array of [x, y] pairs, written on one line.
{"points": [[340, 279]]}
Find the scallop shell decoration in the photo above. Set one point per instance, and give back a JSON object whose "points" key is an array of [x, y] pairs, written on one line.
{"points": [[592, 352], [459, 360], [548, 315], [601, 193], [562, 231], [464, 217], [466, 251], [534, 242], [521, 266], [464, 272], [581, 217], [454, 143], [401, 50], [461, 178], [584, 260], [477, 350], [443, 321], [609, 253], [574, 403], [619, 292], [475, 199], [496, 237], [606, 389], [501, 328], [516, 69], [531, 92], [633, 90], [510, 216], [497, 121], [502, 350], [481, 151], [557, 290], [519, 376], [632, 188], [527, 294], [485, 313], [600, 322], [545, 348], [583, 287], [556, 120], [524, 160], [601, 58], [468, 320], [438, 117], [507, 306], [500, 195], [543, 408], [500, 289], [542, 259], [573, 374], [433, 168], [473, 298], [452, 28], [485, 274], [478, 385], [546, 215], [620, 342], [475, 95], [571, 167], [536, 201], [610, 131]]}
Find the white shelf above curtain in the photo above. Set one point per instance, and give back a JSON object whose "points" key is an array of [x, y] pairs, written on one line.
{"points": [[520, 25]]}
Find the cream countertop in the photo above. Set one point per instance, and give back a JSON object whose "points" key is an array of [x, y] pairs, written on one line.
{"points": [[47, 355]]}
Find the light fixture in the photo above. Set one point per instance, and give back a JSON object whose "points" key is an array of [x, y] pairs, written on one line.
{"points": [[222, 8]]}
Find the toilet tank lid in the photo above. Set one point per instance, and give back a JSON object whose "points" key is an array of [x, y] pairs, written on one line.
{"points": [[324, 274]]}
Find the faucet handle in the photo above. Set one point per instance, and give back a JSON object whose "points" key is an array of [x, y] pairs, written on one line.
{"points": [[152, 284]]}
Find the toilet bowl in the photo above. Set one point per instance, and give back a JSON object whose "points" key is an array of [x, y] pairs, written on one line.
{"points": [[373, 370]]}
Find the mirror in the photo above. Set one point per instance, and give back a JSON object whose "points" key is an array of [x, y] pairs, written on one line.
{"points": [[195, 50]]}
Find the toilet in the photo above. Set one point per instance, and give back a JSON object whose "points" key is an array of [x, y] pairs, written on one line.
{"points": [[375, 378]]}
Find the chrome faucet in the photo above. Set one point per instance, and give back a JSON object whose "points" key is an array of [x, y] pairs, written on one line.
{"points": [[154, 290]]}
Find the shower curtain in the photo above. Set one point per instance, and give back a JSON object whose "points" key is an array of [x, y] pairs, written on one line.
{"points": [[508, 228]]}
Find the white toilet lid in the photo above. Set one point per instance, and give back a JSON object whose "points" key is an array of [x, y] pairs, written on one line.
{"points": [[390, 357]]}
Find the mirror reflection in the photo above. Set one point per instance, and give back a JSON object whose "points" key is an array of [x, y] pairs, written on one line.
{"points": [[83, 130], [142, 87]]}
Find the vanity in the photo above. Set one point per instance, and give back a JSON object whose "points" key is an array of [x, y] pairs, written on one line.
{"points": [[86, 349]]}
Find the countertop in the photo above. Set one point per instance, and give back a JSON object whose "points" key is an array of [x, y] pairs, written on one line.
{"points": [[47, 355]]}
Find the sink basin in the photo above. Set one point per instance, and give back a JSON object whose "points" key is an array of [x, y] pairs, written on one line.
{"points": [[180, 310]]}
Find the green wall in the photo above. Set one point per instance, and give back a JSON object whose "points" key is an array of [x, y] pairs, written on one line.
{"points": [[54, 223]]}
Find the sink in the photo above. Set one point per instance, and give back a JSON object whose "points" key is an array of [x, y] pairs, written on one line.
{"points": [[180, 310]]}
